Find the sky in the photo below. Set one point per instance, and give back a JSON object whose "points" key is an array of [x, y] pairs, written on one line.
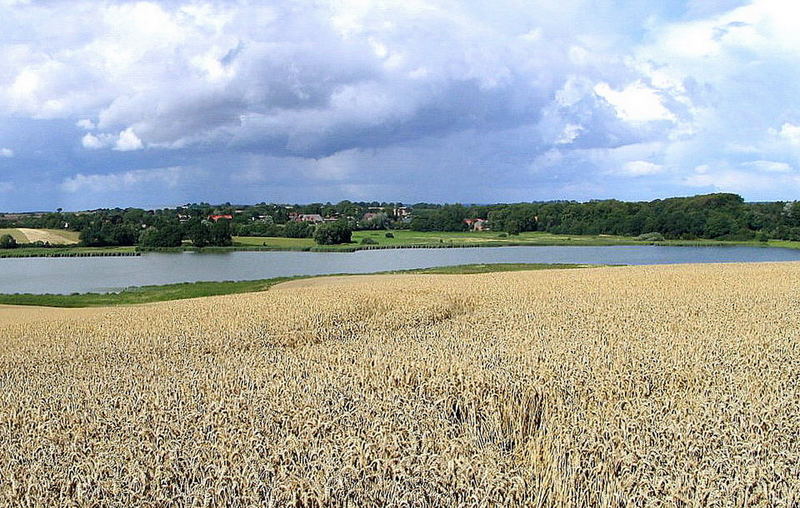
{"points": [[152, 104]]}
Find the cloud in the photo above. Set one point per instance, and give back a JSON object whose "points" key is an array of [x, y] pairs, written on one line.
{"points": [[93, 142], [249, 76], [637, 102], [6, 152], [769, 166], [641, 168], [169, 177], [790, 133], [570, 134], [127, 141], [86, 124], [6, 187], [315, 99]]}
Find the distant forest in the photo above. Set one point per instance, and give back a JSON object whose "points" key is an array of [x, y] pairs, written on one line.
{"points": [[720, 216], [712, 216]]}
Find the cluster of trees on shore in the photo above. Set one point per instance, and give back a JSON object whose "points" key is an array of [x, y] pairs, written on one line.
{"points": [[714, 216], [7, 242], [160, 234]]}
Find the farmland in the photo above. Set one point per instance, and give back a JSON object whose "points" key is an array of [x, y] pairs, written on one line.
{"points": [[405, 238], [52, 236], [663, 385]]}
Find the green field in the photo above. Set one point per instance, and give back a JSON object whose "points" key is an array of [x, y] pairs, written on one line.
{"points": [[402, 238], [406, 238], [274, 242], [151, 294], [485, 239]]}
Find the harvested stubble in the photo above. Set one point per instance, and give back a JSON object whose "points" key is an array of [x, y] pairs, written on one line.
{"points": [[672, 385]]}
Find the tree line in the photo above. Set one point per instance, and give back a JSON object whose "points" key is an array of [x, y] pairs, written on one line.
{"points": [[714, 216], [720, 216]]}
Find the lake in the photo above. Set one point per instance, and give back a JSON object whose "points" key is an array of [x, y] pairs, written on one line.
{"points": [[106, 274]]}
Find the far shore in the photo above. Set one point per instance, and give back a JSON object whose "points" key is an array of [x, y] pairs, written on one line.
{"points": [[375, 240]]}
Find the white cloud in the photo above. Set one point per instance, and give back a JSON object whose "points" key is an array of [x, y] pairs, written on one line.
{"points": [[98, 183], [570, 134], [769, 166], [86, 124], [336, 91], [723, 178], [790, 133], [128, 140], [6, 187], [6, 152], [93, 142], [246, 74], [637, 102], [641, 168]]}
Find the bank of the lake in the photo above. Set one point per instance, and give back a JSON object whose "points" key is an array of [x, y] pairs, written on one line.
{"points": [[68, 252], [168, 292], [401, 239], [114, 274]]}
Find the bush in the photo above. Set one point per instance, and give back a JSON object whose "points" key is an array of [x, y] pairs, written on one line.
{"points": [[7, 242], [513, 227], [298, 230], [650, 237], [333, 233], [502, 235], [389, 235], [368, 241], [762, 236]]}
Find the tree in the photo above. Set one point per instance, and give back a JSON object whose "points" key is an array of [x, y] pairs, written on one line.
{"points": [[106, 233], [720, 225], [298, 230], [220, 234], [168, 235], [333, 233], [379, 221], [198, 233], [513, 227], [7, 242]]}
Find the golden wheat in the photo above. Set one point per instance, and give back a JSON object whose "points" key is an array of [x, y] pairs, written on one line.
{"points": [[671, 385]]}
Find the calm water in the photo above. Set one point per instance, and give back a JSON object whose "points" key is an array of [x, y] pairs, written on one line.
{"points": [[69, 275]]}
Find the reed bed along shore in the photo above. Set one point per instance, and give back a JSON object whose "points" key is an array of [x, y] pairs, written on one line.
{"points": [[665, 385]]}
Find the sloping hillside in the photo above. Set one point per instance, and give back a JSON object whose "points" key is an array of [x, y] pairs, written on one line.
{"points": [[670, 385]]}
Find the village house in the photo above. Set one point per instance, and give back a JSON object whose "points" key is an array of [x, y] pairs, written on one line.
{"points": [[401, 212], [216, 218], [313, 218], [477, 224]]}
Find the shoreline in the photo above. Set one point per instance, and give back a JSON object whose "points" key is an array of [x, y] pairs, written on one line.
{"points": [[71, 252], [186, 290]]}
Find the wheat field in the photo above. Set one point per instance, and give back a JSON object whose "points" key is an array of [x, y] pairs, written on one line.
{"points": [[649, 386]]}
